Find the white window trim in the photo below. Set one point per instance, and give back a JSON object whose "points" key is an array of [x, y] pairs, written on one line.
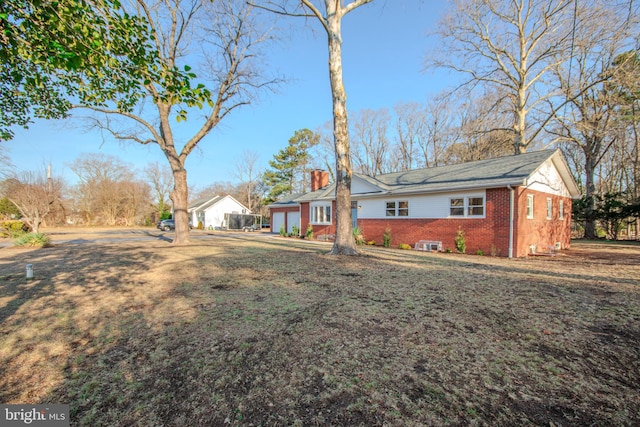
{"points": [[312, 208], [465, 206], [396, 209], [530, 201]]}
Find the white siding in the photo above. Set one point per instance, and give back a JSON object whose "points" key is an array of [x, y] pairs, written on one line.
{"points": [[214, 215], [428, 206], [358, 186], [547, 180]]}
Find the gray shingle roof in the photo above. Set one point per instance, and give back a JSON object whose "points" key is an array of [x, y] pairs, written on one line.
{"points": [[286, 200], [491, 173], [496, 172], [203, 203]]}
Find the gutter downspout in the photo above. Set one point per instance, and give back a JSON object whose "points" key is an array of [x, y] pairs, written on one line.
{"points": [[511, 200]]}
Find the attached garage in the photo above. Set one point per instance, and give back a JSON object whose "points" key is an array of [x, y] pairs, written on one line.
{"points": [[293, 220], [277, 221], [285, 213]]}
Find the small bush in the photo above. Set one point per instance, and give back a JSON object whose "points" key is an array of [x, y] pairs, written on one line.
{"points": [[283, 232], [448, 250], [357, 236], [309, 232], [13, 228], [295, 231], [386, 238], [371, 243], [461, 246], [404, 246], [35, 240], [479, 252]]}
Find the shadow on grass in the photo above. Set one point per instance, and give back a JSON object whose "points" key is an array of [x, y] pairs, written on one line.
{"points": [[234, 331]]}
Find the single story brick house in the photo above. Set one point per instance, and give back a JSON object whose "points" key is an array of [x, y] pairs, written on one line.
{"points": [[507, 206]]}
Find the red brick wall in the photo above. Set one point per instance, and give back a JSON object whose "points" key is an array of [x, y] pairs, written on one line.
{"points": [[541, 231], [489, 234], [480, 234], [285, 210], [318, 230]]}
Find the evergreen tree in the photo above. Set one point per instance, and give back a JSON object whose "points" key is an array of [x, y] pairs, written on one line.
{"points": [[290, 166]]}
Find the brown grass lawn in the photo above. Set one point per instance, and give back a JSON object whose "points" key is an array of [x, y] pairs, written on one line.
{"points": [[274, 332]]}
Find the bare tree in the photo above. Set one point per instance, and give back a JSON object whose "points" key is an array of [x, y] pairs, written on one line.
{"points": [[246, 173], [227, 35], [323, 154], [440, 130], [370, 143], [135, 206], [109, 190], [36, 195], [410, 132], [589, 117], [330, 13], [510, 46], [160, 179], [477, 136]]}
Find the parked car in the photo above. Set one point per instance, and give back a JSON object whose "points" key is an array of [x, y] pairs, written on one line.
{"points": [[168, 224]]}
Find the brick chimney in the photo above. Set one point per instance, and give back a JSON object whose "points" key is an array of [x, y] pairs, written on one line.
{"points": [[319, 179]]}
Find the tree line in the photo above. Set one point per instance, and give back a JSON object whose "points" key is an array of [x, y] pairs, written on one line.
{"points": [[109, 191]]}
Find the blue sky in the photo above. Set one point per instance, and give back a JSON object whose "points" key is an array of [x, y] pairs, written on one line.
{"points": [[384, 44]]}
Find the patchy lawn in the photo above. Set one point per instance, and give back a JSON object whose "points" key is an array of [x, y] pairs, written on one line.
{"points": [[273, 332]]}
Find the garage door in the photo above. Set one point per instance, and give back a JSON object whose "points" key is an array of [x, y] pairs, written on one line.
{"points": [[277, 220], [293, 218]]}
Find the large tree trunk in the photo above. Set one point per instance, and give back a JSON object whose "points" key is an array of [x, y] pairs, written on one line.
{"points": [[590, 190], [180, 198], [180, 193], [344, 243], [520, 126]]}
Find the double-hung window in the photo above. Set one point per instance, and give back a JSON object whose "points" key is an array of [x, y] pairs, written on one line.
{"points": [[472, 206], [530, 206], [549, 208], [397, 208], [475, 206], [561, 209], [321, 214]]}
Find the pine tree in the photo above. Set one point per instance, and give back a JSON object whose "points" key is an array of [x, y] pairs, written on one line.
{"points": [[290, 166]]}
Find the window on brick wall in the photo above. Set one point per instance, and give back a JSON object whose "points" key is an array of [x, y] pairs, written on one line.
{"points": [[466, 206], [530, 206], [561, 209], [549, 208], [475, 206], [320, 214], [397, 208]]}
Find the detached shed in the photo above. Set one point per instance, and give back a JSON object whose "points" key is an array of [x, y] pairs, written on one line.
{"points": [[211, 211]]}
